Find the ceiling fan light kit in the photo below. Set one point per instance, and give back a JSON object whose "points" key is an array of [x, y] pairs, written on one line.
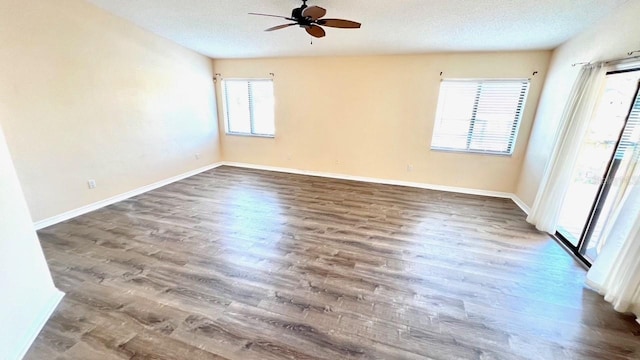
{"points": [[311, 19]]}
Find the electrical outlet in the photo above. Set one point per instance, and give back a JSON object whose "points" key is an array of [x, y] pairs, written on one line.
{"points": [[409, 168], [92, 184], [197, 156]]}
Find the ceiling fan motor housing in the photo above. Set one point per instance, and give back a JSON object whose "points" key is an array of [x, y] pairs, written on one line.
{"points": [[297, 12]]}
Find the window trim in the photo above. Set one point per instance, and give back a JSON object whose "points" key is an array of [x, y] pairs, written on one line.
{"points": [[225, 110], [515, 128]]}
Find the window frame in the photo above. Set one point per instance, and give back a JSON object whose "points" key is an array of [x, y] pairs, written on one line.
{"points": [[512, 141], [225, 109]]}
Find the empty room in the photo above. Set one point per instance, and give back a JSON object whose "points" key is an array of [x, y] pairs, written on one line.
{"points": [[319, 179]]}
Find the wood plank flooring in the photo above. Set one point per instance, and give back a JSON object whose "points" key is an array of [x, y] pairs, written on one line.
{"points": [[246, 264]]}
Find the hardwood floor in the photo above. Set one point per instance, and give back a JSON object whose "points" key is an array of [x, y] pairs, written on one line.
{"points": [[246, 264]]}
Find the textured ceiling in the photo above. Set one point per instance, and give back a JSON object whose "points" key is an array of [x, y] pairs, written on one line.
{"points": [[223, 29]]}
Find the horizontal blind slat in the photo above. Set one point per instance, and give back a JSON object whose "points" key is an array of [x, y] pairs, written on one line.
{"points": [[631, 134], [496, 105]]}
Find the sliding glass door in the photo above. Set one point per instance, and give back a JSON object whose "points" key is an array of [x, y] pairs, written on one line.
{"points": [[601, 173]]}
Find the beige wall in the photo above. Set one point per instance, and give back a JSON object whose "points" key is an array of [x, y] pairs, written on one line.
{"points": [[611, 38], [373, 116], [86, 95]]}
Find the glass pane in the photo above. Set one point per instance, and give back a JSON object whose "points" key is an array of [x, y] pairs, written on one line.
{"points": [[263, 107], [595, 154], [237, 106], [619, 179], [457, 101], [455, 109]]}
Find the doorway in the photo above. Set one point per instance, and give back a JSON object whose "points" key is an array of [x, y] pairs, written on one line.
{"points": [[605, 160]]}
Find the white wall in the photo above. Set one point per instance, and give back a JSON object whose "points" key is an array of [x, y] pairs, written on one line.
{"points": [[88, 95], [27, 293], [613, 37]]}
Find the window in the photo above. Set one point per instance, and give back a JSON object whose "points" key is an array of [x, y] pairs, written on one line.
{"points": [[479, 116], [249, 107]]}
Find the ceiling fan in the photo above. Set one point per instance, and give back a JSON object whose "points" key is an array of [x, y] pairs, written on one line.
{"points": [[310, 18]]}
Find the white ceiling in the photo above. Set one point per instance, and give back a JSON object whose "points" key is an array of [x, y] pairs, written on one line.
{"points": [[223, 29]]}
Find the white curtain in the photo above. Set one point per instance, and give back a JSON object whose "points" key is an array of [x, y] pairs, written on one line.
{"points": [[616, 271], [573, 126]]}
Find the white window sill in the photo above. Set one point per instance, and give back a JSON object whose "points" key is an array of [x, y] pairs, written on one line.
{"points": [[474, 152], [251, 135]]}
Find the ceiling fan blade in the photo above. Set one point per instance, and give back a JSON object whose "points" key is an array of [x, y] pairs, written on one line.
{"points": [[315, 31], [339, 23], [280, 27], [277, 16], [314, 12]]}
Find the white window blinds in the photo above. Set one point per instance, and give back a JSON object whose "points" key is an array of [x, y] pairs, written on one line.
{"points": [[479, 115], [631, 132], [249, 107]]}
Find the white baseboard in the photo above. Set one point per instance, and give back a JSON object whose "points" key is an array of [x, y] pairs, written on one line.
{"points": [[40, 321], [112, 200], [461, 190], [524, 207], [106, 202]]}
